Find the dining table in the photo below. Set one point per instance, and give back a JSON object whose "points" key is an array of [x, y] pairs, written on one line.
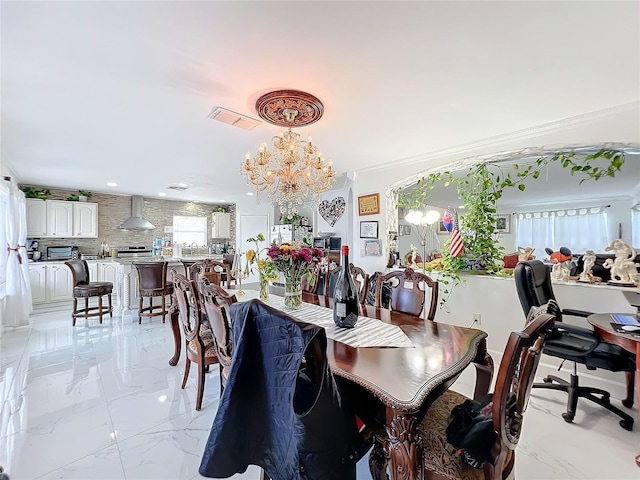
{"points": [[630, 341], [392, 387]]}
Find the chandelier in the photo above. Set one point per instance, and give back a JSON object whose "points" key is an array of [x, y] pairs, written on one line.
{"points": [[295, 170]]}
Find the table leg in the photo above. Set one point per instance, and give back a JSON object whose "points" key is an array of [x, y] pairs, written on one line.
{"points": [[378, 461], [403, 451], [175, 328], [484, 372]]}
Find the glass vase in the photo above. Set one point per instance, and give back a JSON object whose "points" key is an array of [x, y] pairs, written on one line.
{"points": [[264, 287], [292, 292]]}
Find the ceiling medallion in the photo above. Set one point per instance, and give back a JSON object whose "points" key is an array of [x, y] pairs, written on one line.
{"points": [[289, 108], [294, 169]]}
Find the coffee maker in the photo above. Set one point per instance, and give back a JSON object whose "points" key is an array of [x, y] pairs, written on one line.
{"points": [[32, 250]]}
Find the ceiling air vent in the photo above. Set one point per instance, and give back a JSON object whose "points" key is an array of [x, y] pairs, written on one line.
{"points": [[232, 118], [177, 187]]}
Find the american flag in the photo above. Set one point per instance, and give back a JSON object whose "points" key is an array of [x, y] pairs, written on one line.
{"points": [[455, 245]]}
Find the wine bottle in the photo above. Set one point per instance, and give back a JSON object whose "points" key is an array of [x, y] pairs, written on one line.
{"points": [[345, 295]]}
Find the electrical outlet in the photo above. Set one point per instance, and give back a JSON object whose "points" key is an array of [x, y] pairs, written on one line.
{"points": [[477, 319]]}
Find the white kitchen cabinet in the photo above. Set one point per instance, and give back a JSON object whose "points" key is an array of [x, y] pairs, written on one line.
{"points": [[85, 219], [220, 225], [59, 283], [36, 217], [59, 218], [50, 282], [108, 272], [38, 280], [94, 275]]}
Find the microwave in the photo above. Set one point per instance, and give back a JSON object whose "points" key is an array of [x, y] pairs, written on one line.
{"points": [[327, 243], [62, 253]]}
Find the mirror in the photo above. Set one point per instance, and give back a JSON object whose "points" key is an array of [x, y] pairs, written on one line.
{"points": [[555, 188]]}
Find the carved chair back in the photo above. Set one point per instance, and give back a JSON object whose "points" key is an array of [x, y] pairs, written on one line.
{"points": [[408, 292]]}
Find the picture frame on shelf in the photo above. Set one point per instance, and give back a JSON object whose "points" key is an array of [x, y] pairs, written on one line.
{"points": [[368, 229], [502, 224], [369, 204]]}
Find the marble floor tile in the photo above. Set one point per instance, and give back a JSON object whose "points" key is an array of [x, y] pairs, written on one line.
{"points": [[101, 402]]}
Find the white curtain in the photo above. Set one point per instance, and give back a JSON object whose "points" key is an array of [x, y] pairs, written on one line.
{"points": [[18, 289], [579, 230]]}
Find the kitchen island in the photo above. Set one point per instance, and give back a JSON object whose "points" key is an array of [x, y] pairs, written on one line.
{"points": [[126, 284]]}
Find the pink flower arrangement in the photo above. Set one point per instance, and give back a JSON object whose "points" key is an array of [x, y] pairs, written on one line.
{"points": [[294, 260]]}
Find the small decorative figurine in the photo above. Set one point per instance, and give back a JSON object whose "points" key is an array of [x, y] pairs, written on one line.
{"points": [[623, 268], [589, 260]]}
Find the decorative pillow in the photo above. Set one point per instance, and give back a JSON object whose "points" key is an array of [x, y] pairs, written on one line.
{"points": [[510, 260]]}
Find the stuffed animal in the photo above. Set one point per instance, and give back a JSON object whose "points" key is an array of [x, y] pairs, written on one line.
{"points": [[560, 271], [562, 255]]}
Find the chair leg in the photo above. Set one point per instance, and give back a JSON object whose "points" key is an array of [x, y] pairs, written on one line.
{"points": [[140, 310], [86, 304], [201, 378], [75, 310], [110, 306], [100, 307], [164, 304], [187, 367]]}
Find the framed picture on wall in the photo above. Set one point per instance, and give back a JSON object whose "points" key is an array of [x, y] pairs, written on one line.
{"points": [[372, 248], [369, 204], [441, 228], [369, 229], [502, 224]]}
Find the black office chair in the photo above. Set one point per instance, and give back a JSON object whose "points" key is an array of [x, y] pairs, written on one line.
{"points": [[576, 344]]}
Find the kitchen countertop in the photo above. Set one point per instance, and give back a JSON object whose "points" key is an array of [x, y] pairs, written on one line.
{"points": [[160, 258]]}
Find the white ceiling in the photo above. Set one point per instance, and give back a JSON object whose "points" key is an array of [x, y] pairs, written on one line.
{"points": [[120, 91]]}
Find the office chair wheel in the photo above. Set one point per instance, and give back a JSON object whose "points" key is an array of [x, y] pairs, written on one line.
{"points": [[547, 380], [568, 417], [626, 425]]}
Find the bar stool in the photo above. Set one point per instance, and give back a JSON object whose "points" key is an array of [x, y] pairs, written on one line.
{"points": [[83, 287], [152, 282]]}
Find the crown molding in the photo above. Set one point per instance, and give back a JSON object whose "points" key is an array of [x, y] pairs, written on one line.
{"points": [[498, 140]]}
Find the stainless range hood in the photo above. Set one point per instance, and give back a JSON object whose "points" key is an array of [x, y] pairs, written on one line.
{"points": [[135, 221]]}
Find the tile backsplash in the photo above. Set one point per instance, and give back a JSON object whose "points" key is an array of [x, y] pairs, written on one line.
{"points": [[115, 209]]}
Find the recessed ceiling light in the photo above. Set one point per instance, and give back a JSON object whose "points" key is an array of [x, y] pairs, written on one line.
{"points": [[183, 185], [196, 201], [162, 194], [249, 193], [112, 184]]}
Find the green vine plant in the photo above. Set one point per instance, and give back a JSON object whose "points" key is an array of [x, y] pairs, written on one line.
{"points": [[480, 189]]}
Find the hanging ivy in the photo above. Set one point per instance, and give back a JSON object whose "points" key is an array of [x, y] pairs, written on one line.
{"points": [[482, 187]]}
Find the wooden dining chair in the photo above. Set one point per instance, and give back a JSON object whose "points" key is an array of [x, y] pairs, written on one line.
{"points": [[408, 292], [210, 269], [330, 279], [361, 279], [515, 377], [216, 301], [200, 345]]}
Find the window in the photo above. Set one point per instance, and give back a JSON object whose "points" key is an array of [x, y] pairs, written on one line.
{"points": [[578, 230], [190, 230]]}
